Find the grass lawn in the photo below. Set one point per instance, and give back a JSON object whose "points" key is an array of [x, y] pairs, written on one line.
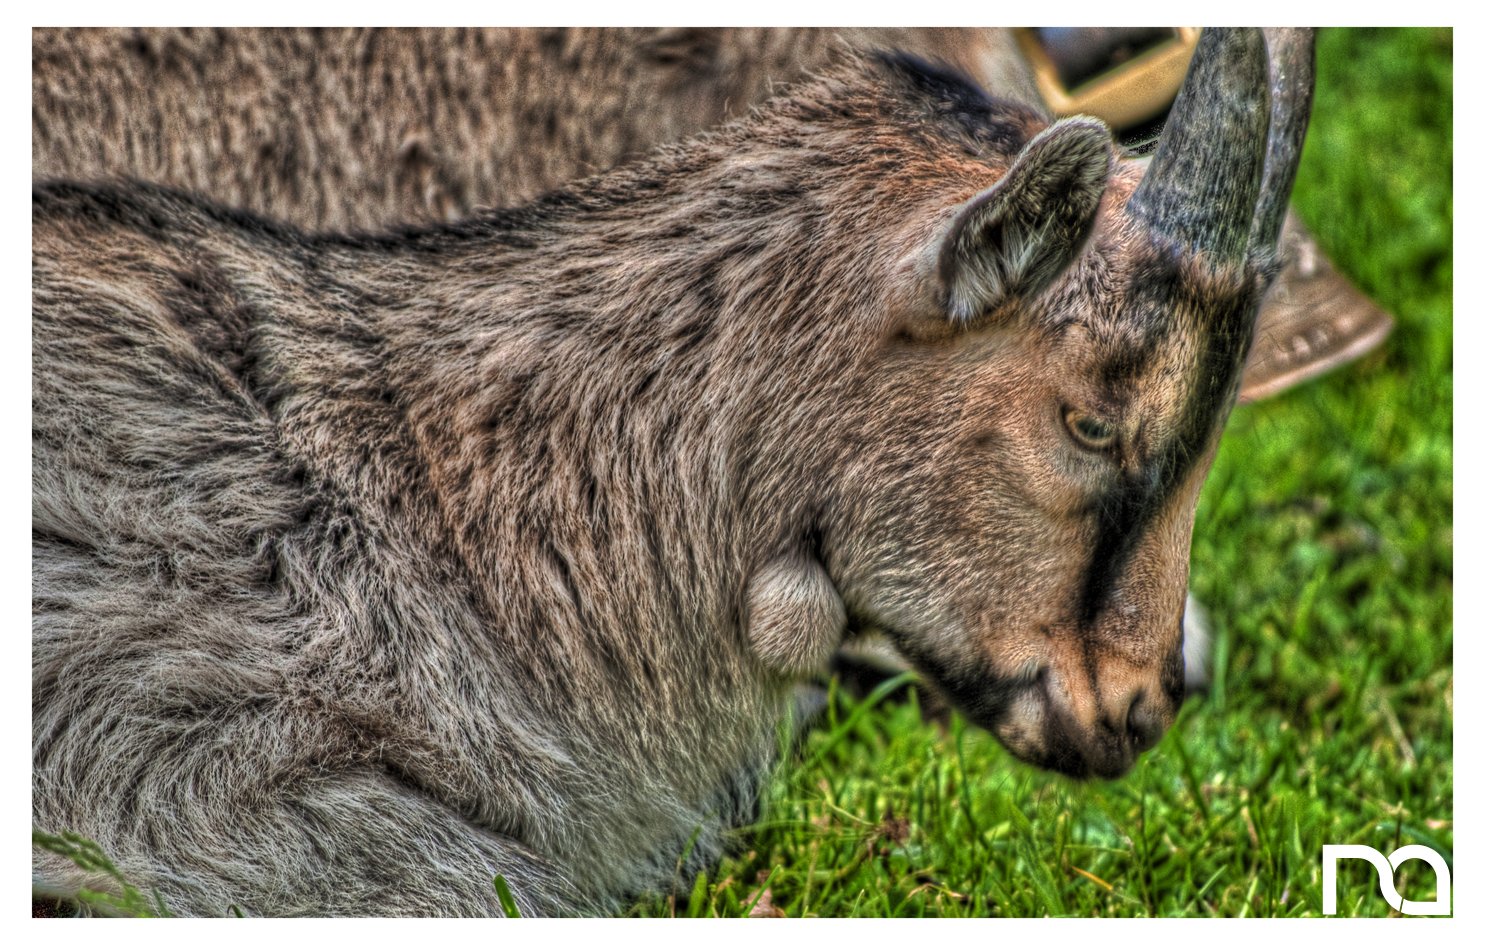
{"points": [[1324, 553]]}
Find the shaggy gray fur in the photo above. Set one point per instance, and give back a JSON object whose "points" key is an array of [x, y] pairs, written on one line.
{"points": [[368, 568]]}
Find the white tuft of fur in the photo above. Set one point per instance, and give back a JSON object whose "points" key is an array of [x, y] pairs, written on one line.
{"points": [[1196, 646], [795, 617]]}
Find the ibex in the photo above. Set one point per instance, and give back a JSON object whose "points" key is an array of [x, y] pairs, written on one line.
{"points": [[367, 568]]}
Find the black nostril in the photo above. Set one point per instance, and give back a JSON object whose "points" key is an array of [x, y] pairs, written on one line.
{"points": [[1142, 723]]}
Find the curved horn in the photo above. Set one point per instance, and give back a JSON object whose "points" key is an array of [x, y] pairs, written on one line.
{"points": [[1202, 186], [1291, 68]]}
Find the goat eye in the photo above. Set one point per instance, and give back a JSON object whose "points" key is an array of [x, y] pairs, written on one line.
{"points": [[1090, 432]]}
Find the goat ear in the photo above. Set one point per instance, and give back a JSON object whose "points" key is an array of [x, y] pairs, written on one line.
{"points": [[1012, 240]]}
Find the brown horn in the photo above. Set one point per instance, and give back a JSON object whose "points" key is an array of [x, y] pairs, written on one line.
{"points": [[1201, 189], [1291, 68]]}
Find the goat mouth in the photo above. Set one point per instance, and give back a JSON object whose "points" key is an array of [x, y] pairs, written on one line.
{"points": [[982, 693], [1078, 754], [1021, 713], [1027, 721]]}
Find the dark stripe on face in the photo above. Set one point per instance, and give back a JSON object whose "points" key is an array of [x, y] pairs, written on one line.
{"points": [[1126, 509]]}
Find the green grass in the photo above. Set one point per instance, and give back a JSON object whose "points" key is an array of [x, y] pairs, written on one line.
{"points": [[1324, 552], [118, 898]]}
